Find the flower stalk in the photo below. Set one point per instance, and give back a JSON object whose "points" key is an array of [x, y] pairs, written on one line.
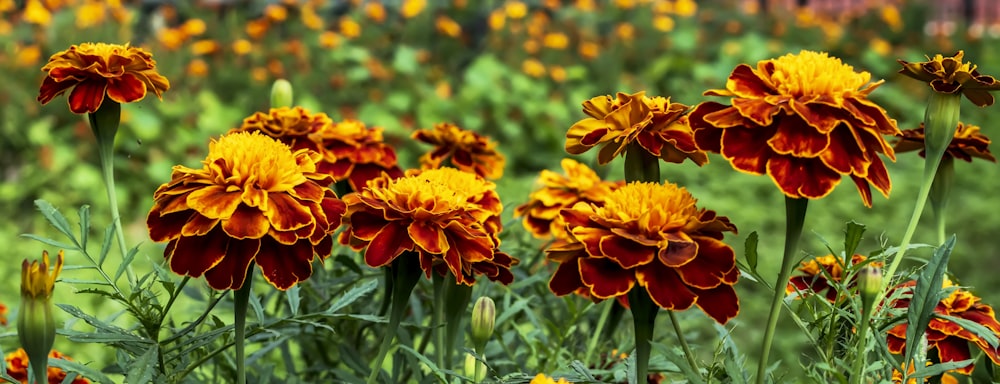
{"points": [[241, 299], [643, 319], [869, 282], [944, 178], [795, 215], [406, 274], [104, 123]]}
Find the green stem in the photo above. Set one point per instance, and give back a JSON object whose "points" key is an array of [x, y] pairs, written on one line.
{"points": [[598, 332], [456, 303], [680, 338], [104, 123], [795, 215], [860, 357], [643, 319], [437, 319], [241, 299], [940, 191], [40, 371], [406, 274], [640, 165]]}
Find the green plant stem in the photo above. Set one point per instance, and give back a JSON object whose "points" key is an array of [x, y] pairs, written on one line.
{"points": [[437, 319], [406, 274], [643, 319], [944, 178], [456, 303], [598, 332], [795, 215], [680, 339], [104, 123], [241, 299], [861, 358]]}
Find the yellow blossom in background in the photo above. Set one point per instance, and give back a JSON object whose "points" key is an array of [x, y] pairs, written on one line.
{"points": [[197, 68], [89, 14], [625, 4], [257, 28], [890, 15], [412, 8], [532, 67], [375, 11], [349, 28], [7, 6], [204, 47], [27, 56], [542, 379], [242, 47], [663, 7], [557, 73], [516, 10], [171, 39], [3, 315], [276, 12], [448, 27], [663, 23], [329, 39], [685, 8], [443, 90], [531, 46], [497, 19], [880, 46], [194, 27], [586, 5], [259, 74], [556, 40], [36, 13], [589, 50], [310, 18], [625, 31], [551, 4]]}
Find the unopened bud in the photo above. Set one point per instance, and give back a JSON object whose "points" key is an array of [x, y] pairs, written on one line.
{"points": [[36, 326], [281, 94], [869, 283], [484, 314]]}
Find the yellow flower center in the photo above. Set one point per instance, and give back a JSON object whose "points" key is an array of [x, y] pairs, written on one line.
{"points": [[654, 206], [252, 160], [813, 73]]}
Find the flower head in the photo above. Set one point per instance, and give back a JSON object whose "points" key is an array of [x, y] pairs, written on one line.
{"points": [[805, 121], [653, 237], [254, 200], [121, 72], [822, 275], [557, 191], [950, 339], [659, 126], [17, 368], [464, 149], [967, 143], [36, 282], [950, 75], [349, 150], [542, 379], [450, 218]]}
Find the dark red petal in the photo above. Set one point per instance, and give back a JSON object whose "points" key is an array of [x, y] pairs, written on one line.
{"points": [[283, 266], [955, 349], [605, 278], [715, 259], [799, 178], [720, 303], [232, 271], [665, 287], [192, 256], [87, 96], [745, 82], [246, 223], [52, 88], [167, 227], [388, 243], [626, 253], [126, 89], [747, 148], [795, 137]]}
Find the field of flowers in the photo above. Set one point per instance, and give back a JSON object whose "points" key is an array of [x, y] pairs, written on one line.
{"points": [[543, 191]]}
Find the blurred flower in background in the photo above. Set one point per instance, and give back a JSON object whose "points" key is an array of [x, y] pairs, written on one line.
{"points": [[462, 149], [968, 142], [17, 367], [577, 183]]}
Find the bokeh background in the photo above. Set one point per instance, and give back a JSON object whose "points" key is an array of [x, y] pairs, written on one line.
{"points": [[514, 70]]}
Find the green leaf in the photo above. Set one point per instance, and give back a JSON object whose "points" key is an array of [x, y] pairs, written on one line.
{"points": [[351, 296], [293, 299], [750, 250], [56, 219], [677, 358], [581, 369], [85, 371], [405, 60], [937, 369], [144, 367], [925, 296], [258, 309], [852, 237], [977, 329], [126, 262], [109, 236], [423, 359], [48, 241], [84, 214]]}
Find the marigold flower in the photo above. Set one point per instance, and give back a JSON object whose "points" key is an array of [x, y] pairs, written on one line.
{"points": [[542, 379], [349, 150], [3, 315], [557, 191], [804, 120], [947, 378], [254, 200], [464, 149], [450, 218], [121, 72], [967, 143], [658, 125], [950, 75], [950, 340], [653, 236], [17, 368], [817, 273]]}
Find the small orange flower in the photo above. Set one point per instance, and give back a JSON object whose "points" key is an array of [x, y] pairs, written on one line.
{"points": [[804, 120], [652, 237], [950, 340], [950, 75], [658, 125], [121, 72], [817, 275], [447, 26], [450, 218], [17, 368], [464, 149], [949, 377], [3, 315], [349, 150], [580, 183], [254, 200], [966, 144], [542, 379]]}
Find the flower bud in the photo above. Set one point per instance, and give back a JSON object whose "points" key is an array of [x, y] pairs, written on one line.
{"points": [[36, 326], [484, 314], [869, 284], [474, 369], [281, 94]]}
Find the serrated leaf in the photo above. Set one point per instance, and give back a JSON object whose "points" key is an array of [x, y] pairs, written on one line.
{"points": [[85, 371], [83, 281], [750, 250], [109, 236], [351, 296], [423, 359], [977, 329], [258, 309], [937, 369], [143, 368], [48, 241], [54, 217], [126, 262], [581, 369], [925, 296], [84, 214], [678, 359], [292, 294], [853, 233]]}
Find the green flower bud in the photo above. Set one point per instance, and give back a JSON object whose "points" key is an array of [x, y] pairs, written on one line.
{"points": [[869, 284], [281, 94], [36, 326], [484, 314]]}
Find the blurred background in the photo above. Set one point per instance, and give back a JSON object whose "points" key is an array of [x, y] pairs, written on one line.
{"points": [[514, 70]]}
